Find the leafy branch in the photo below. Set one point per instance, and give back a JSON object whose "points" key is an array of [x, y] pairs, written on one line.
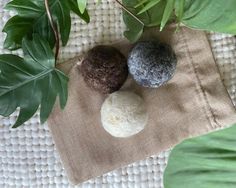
{"points": [[218, 16], [35, 81], [35, 28], [32, 18]]}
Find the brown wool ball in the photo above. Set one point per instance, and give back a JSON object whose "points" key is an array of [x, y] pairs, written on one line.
{"points": [[104, 69]]}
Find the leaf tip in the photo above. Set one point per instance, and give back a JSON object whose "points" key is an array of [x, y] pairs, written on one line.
{"points": [[140, 12], [16, 125], [42, 120]]}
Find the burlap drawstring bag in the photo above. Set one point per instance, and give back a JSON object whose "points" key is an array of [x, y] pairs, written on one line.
{"points": [[194, 102]]}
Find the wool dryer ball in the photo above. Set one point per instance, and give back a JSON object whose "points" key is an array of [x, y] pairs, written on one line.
{"points": [[104, 69], [123, 114], [152, 63]]}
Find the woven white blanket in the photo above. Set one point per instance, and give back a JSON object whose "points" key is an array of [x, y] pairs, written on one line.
{"points": [[27, 155]]}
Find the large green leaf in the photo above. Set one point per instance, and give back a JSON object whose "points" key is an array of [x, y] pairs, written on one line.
{"points": [[208, 161], [150, 18], [32, 18], [30, 82], [217, 15]]}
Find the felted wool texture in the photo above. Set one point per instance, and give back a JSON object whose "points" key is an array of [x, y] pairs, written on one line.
{"points": [[28, 157], [192, 103], [157, 62], [123, 114]]}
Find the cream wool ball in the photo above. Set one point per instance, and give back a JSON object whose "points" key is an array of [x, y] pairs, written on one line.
{"points": [[123, 114]]}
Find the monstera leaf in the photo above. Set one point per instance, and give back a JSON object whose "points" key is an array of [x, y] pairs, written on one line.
{"points": [[32, 18], [31, 82], [204, 162]]}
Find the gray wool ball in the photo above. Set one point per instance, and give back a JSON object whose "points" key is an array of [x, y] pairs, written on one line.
{"points": [[151, 63]]}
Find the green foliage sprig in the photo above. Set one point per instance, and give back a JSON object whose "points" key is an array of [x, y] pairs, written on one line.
{"points": [[34, 81], [31, 81], [32, 18], [217, 15]]}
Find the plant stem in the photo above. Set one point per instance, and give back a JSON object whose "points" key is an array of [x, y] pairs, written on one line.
{"points": [[54, 28], [129, 12]]}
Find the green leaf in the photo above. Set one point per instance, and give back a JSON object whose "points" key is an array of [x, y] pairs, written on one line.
{"points": [[141, 3], [16, 28], [208, 161], [150, 18], [180, 9], [28, 8], [74, 7], [149, 5], [217, 15], [30, 82], [167, 13], [135, 33], [82, 5], [32, 19]]}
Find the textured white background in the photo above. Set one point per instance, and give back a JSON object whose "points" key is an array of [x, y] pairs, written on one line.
{"points": [[28, 157]]}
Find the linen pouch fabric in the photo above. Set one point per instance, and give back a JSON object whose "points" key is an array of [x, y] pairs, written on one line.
{"points": [[192, 103]]}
